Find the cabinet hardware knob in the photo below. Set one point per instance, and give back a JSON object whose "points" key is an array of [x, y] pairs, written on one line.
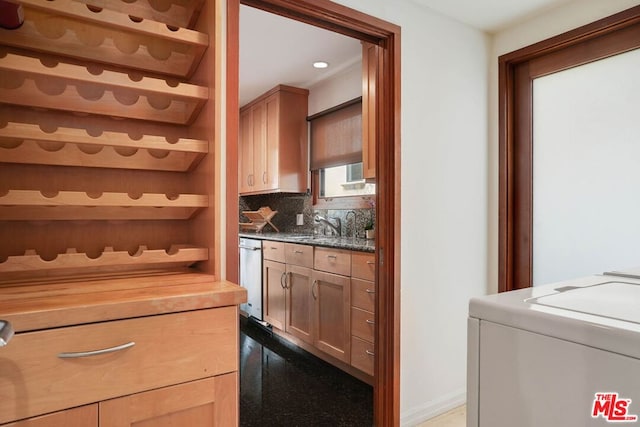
{"points": [[78, 354], [371, 322], [6, 332], [370, 353]]}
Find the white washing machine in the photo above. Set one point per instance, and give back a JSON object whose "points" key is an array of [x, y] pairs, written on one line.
{"points": [[560, 355]]}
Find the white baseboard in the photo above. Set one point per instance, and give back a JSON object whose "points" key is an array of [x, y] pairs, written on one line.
{"points": [[433, 408]]}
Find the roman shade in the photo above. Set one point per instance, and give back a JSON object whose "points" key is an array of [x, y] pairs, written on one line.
{"points": [[336, 135]]}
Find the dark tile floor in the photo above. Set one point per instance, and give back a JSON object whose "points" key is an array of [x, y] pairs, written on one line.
{"points": [[283, 385]]}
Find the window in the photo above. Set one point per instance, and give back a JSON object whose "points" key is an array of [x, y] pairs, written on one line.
{"points": [[518, 70]]}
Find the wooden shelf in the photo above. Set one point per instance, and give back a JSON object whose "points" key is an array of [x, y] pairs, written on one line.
{"points": [[20, 205], [28, 82], [32, 265], [179, 13], [82, 31], [29, 144]]}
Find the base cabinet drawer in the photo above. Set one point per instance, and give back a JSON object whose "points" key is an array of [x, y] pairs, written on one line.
{"points": [[168, 349], [362, 324], [362, 356], [273, 251]]}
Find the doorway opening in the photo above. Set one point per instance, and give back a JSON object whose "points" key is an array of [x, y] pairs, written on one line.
{"points": [[386, 125]]}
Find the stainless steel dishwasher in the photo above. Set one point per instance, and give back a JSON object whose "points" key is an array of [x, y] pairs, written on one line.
{"points": [[251, 276]]}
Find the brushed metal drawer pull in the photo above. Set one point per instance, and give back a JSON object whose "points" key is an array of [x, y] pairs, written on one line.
{"points": [[370, 353], [298, 252], [332, 256], [370, 291], [371, 322], [313, 294], [78, 354], [371, 262]]}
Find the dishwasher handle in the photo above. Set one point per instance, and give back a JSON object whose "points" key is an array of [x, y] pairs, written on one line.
{"points": [[251, 248]]}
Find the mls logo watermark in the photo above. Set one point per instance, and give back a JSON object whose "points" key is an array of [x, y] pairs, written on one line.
{"points": [[612, 408]]}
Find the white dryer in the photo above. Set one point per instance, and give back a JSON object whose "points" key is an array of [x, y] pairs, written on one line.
{"points": [[560, 355]]}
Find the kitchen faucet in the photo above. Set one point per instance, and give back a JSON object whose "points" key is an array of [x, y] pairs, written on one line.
{"points": [[335, 227]]}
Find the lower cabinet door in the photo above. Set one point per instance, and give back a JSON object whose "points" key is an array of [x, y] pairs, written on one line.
{"points": [[203, 403], [83, 416], [299, 303], [332, 308], [273, 293]]}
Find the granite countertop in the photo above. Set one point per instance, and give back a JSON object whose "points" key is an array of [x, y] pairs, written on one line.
{"points": [[350, 243]]}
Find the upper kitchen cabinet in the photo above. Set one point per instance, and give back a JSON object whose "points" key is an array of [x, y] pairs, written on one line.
{"points": [[273, 151], [369, 77]]}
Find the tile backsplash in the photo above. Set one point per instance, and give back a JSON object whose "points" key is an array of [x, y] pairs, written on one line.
{"points": [[289, 205]]}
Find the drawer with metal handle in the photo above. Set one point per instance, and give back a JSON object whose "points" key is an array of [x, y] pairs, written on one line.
{"points": [[363, 266], [362, 324], [337, 261], [296, 254], [362, 355], [73, 366], [273, 251]]}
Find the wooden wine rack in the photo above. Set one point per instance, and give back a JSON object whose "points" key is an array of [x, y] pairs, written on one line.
{"points": [[105, 141], [70, 28], [28, 143], [32, 265]]}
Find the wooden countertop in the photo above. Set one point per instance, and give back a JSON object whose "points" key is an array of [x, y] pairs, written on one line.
{"points": [[48, 305]]}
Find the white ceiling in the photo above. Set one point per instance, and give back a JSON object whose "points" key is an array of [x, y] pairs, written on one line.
{"points": [[490, 15], [276, 50]]}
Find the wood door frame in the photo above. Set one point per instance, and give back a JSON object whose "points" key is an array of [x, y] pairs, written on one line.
{"points": [[606, 37], [347, 21]]}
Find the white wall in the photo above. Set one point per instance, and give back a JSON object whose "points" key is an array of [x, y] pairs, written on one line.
{"points": [[343, 86], [553, 22], [444, 199]]}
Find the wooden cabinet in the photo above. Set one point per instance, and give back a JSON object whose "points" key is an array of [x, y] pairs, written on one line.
{"points": [[81, 344], [202, 403], [108, 139], [324, 297], [299, 321], [287, 288], [274, 293], [332, 314], [370, 68], [84, 416], [363, 298], [273, 151]]}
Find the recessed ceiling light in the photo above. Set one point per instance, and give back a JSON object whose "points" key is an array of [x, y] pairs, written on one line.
{"points": [[320, 64]]}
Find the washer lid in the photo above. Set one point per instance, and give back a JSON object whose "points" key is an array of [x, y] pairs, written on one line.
{"points": [[615, 300]]}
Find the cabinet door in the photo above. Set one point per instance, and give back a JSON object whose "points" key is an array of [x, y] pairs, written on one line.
{"points": [[369, 82], [245, 152], [272, 143], [204, 403], [83, 416], [332, 307], [273, 293], [299, 303], [259, 129]]}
